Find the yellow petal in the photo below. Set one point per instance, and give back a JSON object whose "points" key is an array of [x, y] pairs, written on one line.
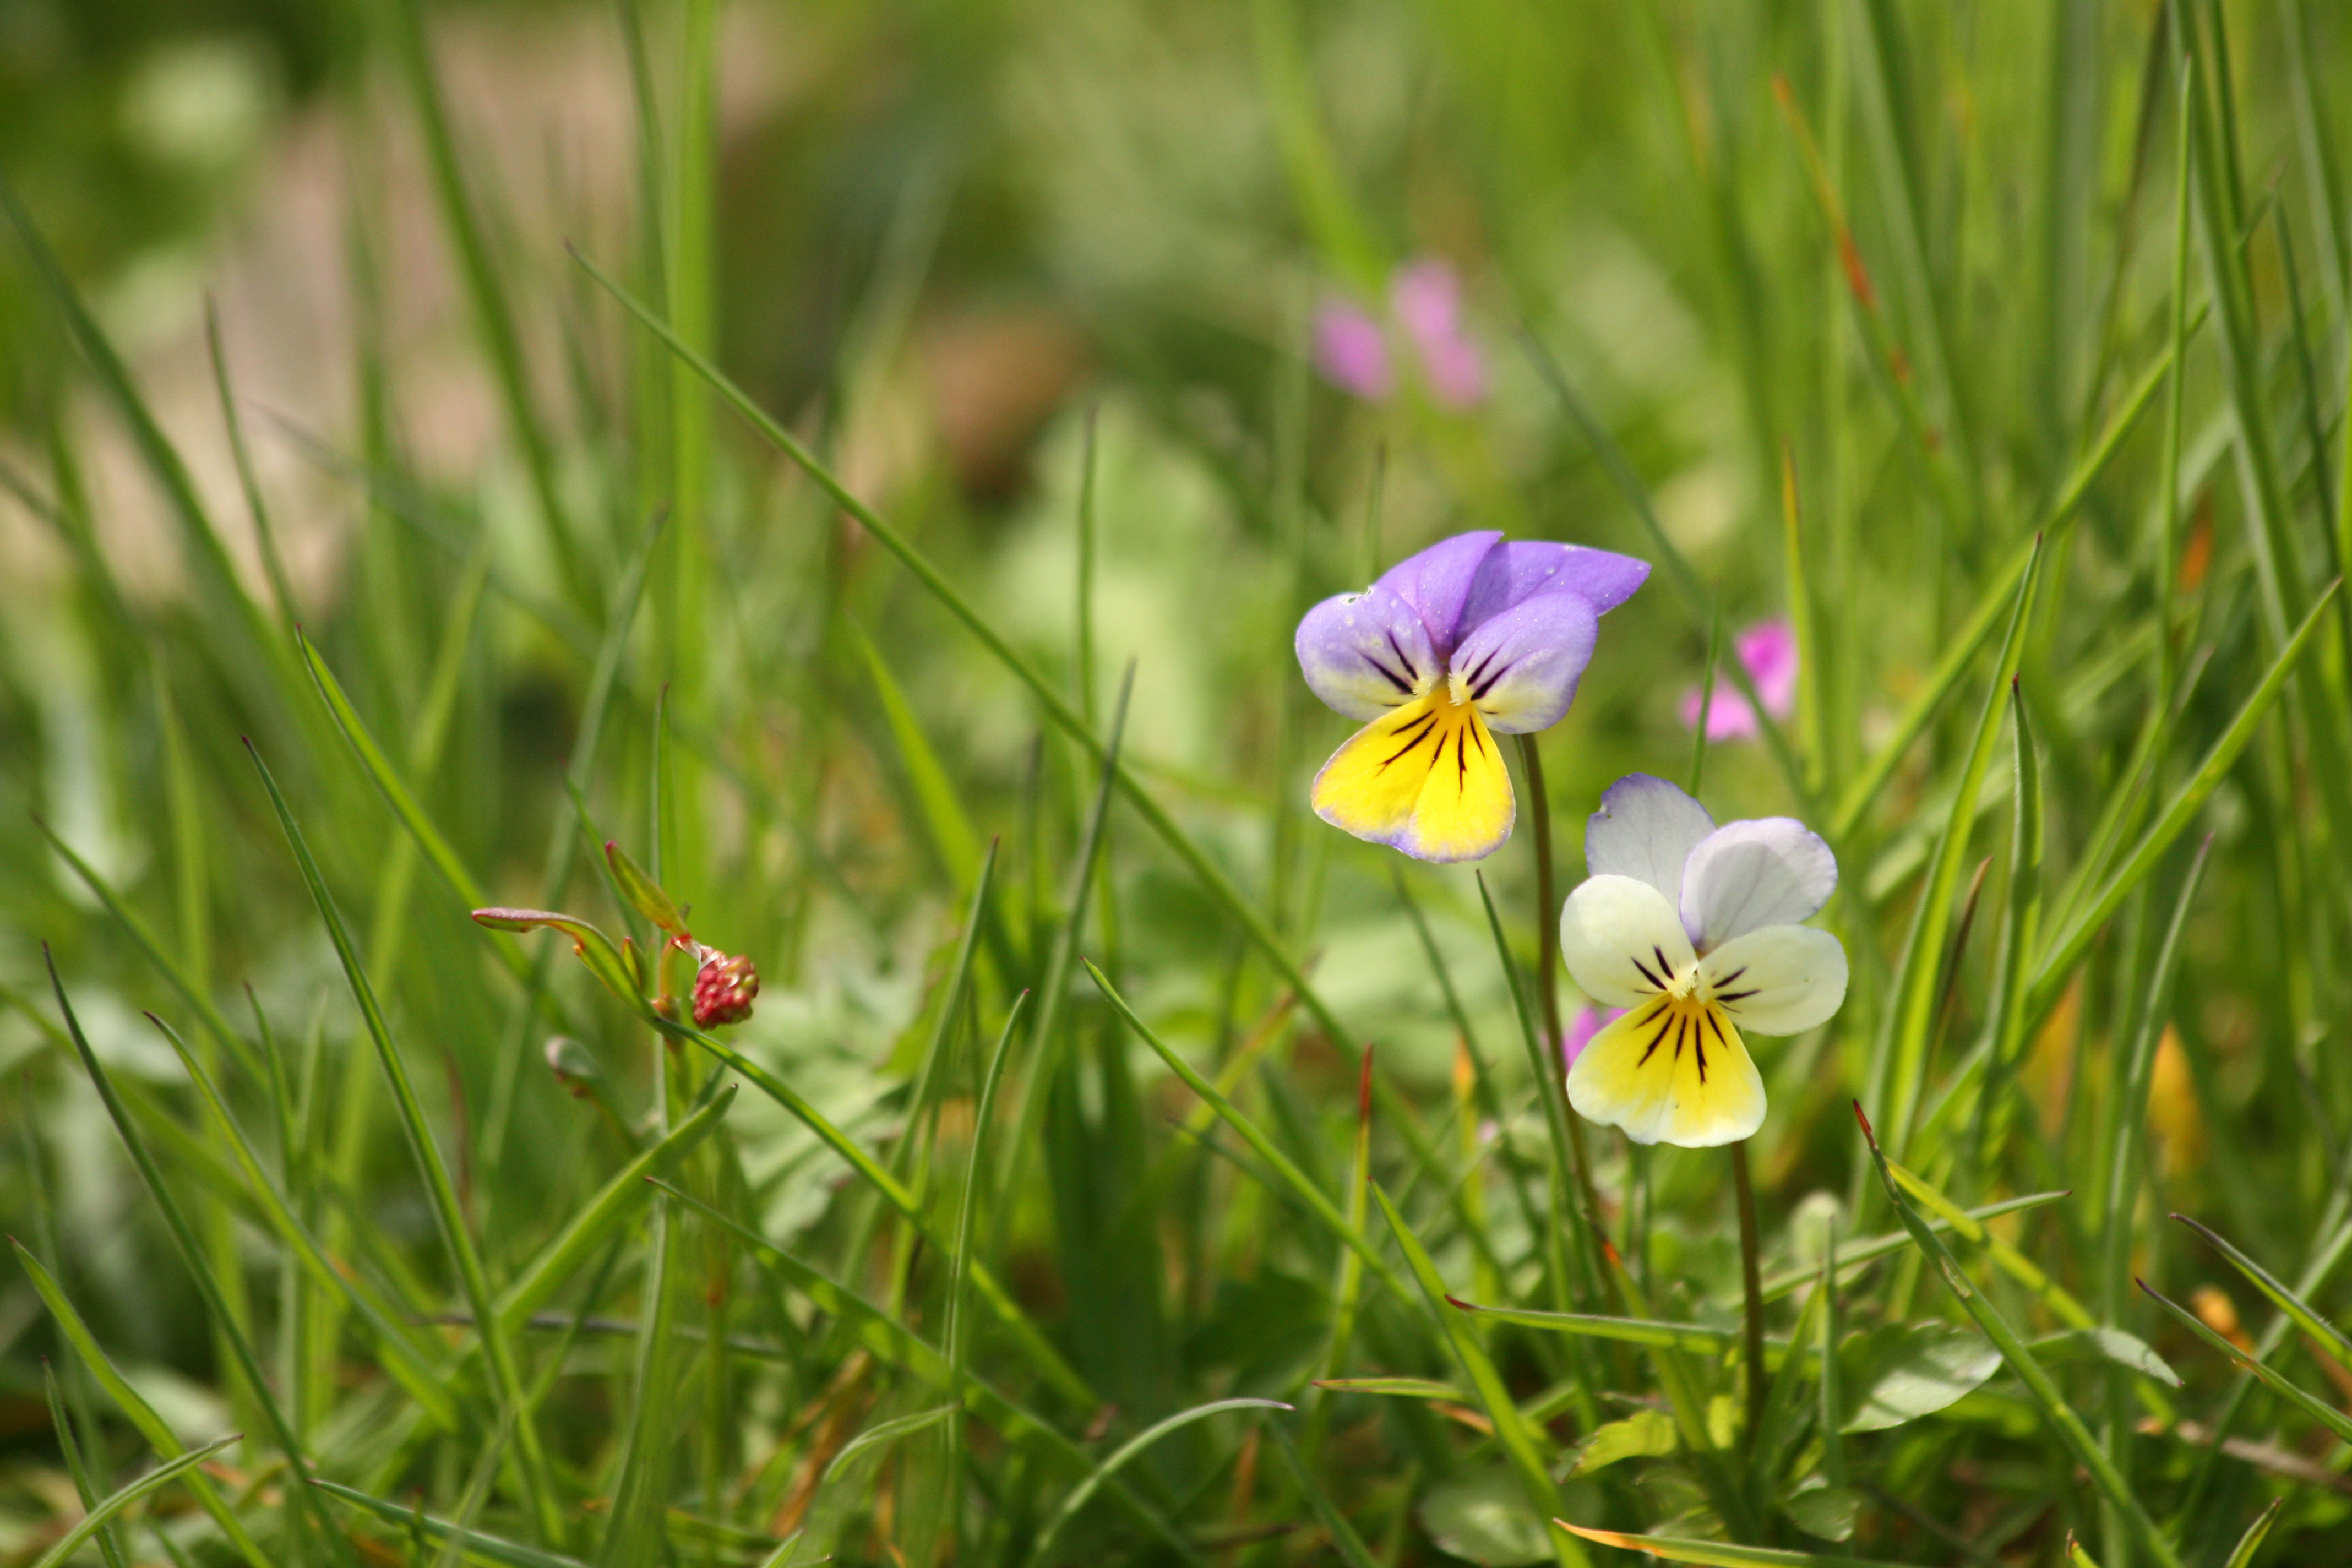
{"points": [[1675, 1072], [1425, 778]]}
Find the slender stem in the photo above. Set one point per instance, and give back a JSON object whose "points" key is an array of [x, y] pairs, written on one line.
{"points": [[1751, 1279], [1547, 965], [1706, 701]]}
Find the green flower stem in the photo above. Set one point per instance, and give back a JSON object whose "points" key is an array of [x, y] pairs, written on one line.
{"points": [[1751, 1285], [1553, 1086]]}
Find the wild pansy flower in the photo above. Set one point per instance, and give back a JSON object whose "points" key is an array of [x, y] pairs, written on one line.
{"points": [[1769, 650], [1471, 639], [1693, 929], [1352, 348]]}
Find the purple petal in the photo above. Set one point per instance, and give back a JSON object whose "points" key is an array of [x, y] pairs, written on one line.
{"points": [[1427, 299], [1521, 667], [1365, 653], [1522, 569], [1350, 351], [1745, 875], [1437, 584], [1646, 828], [1580, 1030]]}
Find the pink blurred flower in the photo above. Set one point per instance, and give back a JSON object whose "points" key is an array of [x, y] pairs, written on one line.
{"points": [[1350, 351], [1580, 1030], [1427, 299], [1769, 650], [1352, 347]]}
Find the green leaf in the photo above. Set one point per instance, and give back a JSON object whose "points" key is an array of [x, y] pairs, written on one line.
{"points": [[593, 948], [96, 1519], [1645, 1435], [2112, 1344], [1481, 1515], [1899, 1372], [645, 895], [1827, 1511]]}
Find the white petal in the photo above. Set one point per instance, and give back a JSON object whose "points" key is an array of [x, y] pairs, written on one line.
{"points": [[1646, 828], [1622, 940], [1781, 980], [1747, 875]]}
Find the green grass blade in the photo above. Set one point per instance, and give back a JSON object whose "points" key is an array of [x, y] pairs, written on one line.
{"points": [[441, 1192], [2066, 951], [405, 1358], [1344, 1539], [889, 1432], [1083, 1491], [1625, 1330], [2242, 1554], [1511, 1431], [1852, 1260], [97, 1518], [192, 1252], [2323, 1335], [1720, 1553], [63, 1425], [133, 1406], [1918, 978], [1293, 1181], [953, 837], [2021, 927], [2319, 1409], [601, 1216], [2076, 1437], [477, 1544]]}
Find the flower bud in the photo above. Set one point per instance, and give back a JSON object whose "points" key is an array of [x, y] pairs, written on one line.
{"points": [[723, 989]]}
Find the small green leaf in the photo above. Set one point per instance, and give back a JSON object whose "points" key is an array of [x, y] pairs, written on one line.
{"points": [[2123, 1349], [2250, 1542], [645, 894], [1900, 1372], [1827, 1511], [1481, 1516], [1645, 1435]]}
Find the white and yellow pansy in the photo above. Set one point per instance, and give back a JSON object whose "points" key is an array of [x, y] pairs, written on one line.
{"points": [[1692, 929]]}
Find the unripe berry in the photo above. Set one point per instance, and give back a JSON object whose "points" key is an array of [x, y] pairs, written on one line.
{"points": [[723, 989]]}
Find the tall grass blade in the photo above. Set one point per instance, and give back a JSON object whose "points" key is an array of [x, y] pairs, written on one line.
{"points": [[97, 1518]]}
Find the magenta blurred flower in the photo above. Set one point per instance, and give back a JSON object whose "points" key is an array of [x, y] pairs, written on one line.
{"points": [[1351, 347], [1427, 299], [1350, 351], [1580, 1030], [1769, 650]]}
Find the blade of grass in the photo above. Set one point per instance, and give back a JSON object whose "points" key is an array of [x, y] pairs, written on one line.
{"points": [[2319, 1409], [2322, 1334], [953, 837], [958, 1331], [441, 1192], [1344, 1539], [110, 1544], [476, 1543], [2068, 1427], [1079, 1495], [1900, 1065], [192, 1257], [97, 1517], [1718, 1553], [1852, 1259], [2020, 929], [2065, 950], [1511, 1431]]}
